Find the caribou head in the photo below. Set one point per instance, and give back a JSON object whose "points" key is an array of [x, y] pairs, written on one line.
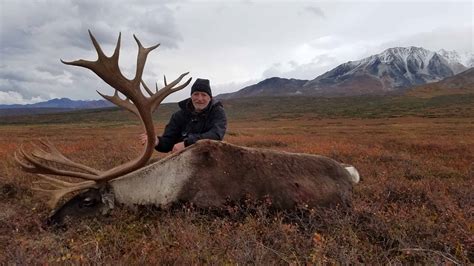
{"points": [[207, 174]]}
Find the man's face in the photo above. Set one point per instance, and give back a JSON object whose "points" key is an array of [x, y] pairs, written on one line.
{"points": [[200, 100]]}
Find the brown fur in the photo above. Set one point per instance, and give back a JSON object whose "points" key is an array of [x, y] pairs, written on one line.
{"points": [[227, 172]]}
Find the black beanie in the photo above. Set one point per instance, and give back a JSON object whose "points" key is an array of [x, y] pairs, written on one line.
{"points": [[201, 85]]}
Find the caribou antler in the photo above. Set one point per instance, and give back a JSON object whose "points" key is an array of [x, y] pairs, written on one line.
{"points": [[45, 163]]}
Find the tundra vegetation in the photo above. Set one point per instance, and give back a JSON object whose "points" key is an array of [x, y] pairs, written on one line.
{"points": [[414, 203], [304, 234]]}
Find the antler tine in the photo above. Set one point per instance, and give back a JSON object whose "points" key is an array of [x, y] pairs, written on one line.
{"points": [[147, 89], [182, 86], [23, 165], [57, 157], [92, 65], [62, 187], [115, 99], [58, 183], [56, 194], [41, 168], [39, 152], [117, 47], [158, 97], [141, 58], [42, 182], [107, 68], [97, 47], [176, 81]]}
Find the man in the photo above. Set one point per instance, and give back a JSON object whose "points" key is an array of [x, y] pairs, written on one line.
{"points": [[199, 117]]}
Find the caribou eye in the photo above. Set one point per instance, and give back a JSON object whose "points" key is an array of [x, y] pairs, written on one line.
{"points": [[88, 202]]}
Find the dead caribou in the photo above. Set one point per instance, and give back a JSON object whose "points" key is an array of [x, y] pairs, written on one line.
{"points": [[206, 174]]}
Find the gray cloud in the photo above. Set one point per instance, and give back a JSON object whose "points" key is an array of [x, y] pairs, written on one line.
{"points": [[311, 70], [315, 11], [233, 43], [36, 34], [53, 71], [458, 38]]}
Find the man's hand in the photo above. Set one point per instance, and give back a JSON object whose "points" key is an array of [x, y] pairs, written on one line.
{"points": [[143, 139], [178, 146]]}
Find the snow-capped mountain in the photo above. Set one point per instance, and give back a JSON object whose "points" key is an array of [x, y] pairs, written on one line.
{"points": [[393, 69], [458, 61]]}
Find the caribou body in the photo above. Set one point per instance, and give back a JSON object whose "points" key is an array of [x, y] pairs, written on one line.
{"points": [[211, 173], [206, 174]]}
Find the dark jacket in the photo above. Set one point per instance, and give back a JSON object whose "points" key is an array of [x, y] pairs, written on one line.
{"points": [[189, 126]]}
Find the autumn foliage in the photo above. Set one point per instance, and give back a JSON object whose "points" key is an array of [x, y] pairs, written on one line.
{"points": [[414, 203]]}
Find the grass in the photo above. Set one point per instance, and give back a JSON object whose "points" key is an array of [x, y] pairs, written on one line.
{"points": [[276, 108], [413, 205]]}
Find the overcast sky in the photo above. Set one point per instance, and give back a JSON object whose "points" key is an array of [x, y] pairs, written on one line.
{"points": [[232, 43]]}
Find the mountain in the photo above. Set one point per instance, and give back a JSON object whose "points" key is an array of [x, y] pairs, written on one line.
{"points": [[462, 83], [458, 61], [269, 87], [62, 103], [51, 106], [391, 71]]}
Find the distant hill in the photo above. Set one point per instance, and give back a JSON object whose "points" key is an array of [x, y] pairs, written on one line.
{"points": [[268, 87], [64, 103], [391, 71], [462, 83], [287, 108], [51, 106]]}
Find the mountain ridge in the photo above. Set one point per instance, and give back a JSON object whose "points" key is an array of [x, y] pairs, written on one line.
{"points": [[268, 87], [391, 71], [462, 83], [62, 103]]}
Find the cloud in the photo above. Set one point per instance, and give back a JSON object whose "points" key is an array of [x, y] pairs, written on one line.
{"points": [[13, 97], [311, 70], [459, 38], [315, 11], [319, 55], [233, 86]]}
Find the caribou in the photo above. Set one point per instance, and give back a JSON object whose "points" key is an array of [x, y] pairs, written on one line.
{"points": [[206, 174]]}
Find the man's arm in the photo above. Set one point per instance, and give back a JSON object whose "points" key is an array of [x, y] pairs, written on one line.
{"points": [[170, 136], [216, 132]]}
